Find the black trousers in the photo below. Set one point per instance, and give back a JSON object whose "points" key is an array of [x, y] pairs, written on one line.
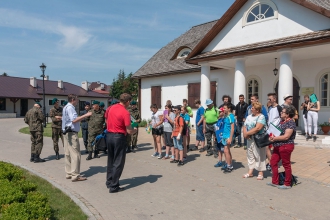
{"points": [[116, 144], [85, 137]]}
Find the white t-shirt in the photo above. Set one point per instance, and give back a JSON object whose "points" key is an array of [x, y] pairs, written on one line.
{"points": [[155, 119]]}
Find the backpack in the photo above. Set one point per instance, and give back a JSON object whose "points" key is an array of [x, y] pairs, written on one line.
{"points": [[294, 180], [184, 130]]}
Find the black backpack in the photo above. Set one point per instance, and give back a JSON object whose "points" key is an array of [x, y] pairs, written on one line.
{"points": [[294, 180]]}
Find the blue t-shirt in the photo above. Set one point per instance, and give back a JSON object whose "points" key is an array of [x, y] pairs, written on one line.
{"points": [[199, 114], [185, 117], [230, 119]]}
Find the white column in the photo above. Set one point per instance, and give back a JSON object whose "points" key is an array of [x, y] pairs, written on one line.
{"points": [[205, 83], [285, 76], [239, 82]]}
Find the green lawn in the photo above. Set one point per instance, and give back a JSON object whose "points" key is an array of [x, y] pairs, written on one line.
{"points": [[62, 205], [47, 131]]}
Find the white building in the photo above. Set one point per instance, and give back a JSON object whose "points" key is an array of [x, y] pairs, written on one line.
{"points": [[236, 55]]}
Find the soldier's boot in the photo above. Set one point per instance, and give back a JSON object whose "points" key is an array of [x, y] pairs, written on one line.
{"points": [[128, 149], [57, 155], [37, 159], [86, 149], [32, 158], [89, 157], [96, 154], [105, 151]]}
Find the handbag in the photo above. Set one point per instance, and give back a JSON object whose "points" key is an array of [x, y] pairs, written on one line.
{"points": [[261, 140]]}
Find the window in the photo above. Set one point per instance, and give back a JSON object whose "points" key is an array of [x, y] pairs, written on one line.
{"points": [[325, 89], [156, 95], [252, 88], [50, 101], [261, 10], [81, 106], [184, 53], [194, 91], [2, 104]]}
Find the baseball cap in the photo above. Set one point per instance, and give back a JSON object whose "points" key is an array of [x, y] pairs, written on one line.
{"points": [[221, 109]]}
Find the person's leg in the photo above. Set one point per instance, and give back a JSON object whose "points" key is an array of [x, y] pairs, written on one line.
{"points": [[85, 138], [33, 146], [305, 124], [208, 136], [188, 137], [135, 139], [274, 164], [239, 133], [309, 122], [67, 157], [315, 121], [228, 156], [154, 136], [260, 158], [38, 146], [110, 146], [285, 153], [89, 146], [55, 138], [250, 158], [128, 143], [159, 146], [74, 149], [119, 157]]}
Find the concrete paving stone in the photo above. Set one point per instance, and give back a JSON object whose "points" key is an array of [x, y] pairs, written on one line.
{"points": [[156, 189]]}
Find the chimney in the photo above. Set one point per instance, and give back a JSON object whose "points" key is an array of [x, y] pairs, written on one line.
{"points": [[46, 77], [102, 86], [33, 82], [60, 84], [84, 85]]}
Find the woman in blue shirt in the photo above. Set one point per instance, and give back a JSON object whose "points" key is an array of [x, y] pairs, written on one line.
{"points": [[186, 118], [200, 138]]}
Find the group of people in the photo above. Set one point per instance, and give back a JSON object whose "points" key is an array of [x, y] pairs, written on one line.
{"points": [[218, 127], [310, 112]]}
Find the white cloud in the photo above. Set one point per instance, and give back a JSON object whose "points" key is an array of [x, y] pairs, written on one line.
{"points": [[72, 37]]}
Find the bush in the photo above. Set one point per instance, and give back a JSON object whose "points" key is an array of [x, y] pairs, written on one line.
{"points": [[143, 123], [18, 197]]}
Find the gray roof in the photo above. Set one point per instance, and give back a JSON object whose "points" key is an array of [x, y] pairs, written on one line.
{"points": [[161, 62], [322, 3]]}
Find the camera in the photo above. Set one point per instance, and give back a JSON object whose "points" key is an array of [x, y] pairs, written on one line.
{"points": [[66, 130]]}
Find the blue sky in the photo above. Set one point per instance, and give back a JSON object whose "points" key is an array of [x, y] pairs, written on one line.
{"points": [[93, 40]]}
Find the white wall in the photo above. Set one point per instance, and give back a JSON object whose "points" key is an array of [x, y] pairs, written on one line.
{"points": [[175, 88], [293, 19]]}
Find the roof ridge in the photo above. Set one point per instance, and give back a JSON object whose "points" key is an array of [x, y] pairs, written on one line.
{"points": [[204, 23]]}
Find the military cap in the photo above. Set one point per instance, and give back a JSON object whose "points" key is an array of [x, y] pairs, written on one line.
{"points": [[65, 102], [95, 102], [54, 101], [101, 104], [133, 102], [39, 104], [114, 102], [87, 103]]}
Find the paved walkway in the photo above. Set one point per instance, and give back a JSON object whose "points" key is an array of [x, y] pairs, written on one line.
{"points": [[156, 189]]}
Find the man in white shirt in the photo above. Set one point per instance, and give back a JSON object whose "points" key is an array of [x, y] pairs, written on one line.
{"points": [[70, 128]]}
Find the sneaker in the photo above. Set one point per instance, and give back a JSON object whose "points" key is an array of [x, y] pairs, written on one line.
{"points": [[236, 146], [228, 170], [245, 147], [209, 153], [194, 148], [155, 154], [224, 166], [180, 163], [201, 150], [284, 187], [160, 156], [174, 161], [268, 167], [219, 164], [314, 138], [307, 137]]}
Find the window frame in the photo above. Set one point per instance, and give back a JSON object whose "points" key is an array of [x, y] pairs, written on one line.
{"points": [[5, 104], [213, 93], [255, 4], [248, 98], [328, 90], [158, 101], [183, 50]]}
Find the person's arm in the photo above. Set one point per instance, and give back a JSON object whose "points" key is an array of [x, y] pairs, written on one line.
{"points": [[200, 121], [138, 120], [73, 115], [181, 124], [286, 136], [41, 116], [317, 108], [190, 112], [127, 122], [245, 132], [232, 128], [296, 116], [302, 106], [204, 125], [265, 113], [255, 130]]}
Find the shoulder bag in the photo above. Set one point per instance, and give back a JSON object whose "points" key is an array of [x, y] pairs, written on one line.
{"points": [[261, 140]]}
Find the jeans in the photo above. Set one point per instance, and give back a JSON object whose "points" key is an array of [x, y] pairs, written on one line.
{"points": [[178, 143], [282, 153], [312, 119], [239, 133], [116, 144]]}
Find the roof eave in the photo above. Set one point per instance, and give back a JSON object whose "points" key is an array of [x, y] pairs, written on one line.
{"points": [[313, 7]]}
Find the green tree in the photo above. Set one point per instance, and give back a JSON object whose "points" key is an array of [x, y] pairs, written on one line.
{"points": [[4, 74], [124, 84]]}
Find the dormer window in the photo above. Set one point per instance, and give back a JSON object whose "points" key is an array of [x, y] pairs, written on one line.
{"points": [[261, 10], [184, 53]]}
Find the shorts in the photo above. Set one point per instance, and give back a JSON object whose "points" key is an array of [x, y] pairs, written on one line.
{"points": [[200, 135], [178, 143], [224, 142], [168, 139], [157, 131], [220, 147]]}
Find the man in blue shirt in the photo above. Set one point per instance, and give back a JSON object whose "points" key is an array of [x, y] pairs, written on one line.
{"points": [[255, 98], [228, 134], [70, 128], [200, 138]]}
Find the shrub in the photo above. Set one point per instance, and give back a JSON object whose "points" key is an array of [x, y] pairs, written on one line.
{"points": [[143, 123]]}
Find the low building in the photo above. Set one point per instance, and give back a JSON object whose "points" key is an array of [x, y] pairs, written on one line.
{"points": [[237, 53], [18, 95]]}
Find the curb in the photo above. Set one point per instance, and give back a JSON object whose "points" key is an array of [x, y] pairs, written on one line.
{"points": [[86, 207]]}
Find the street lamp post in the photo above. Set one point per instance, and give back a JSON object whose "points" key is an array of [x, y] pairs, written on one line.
{"points": [[43, 68]]}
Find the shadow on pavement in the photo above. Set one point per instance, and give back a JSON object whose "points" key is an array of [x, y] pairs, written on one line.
{"points": [[191, 157], [237, 165], [94, 170], [140, 180], [144, 144], [144, 148]]}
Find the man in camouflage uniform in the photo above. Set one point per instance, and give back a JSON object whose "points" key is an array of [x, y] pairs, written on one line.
{"points": [[132, 139], [102, 106], [95, 127], [84, 125], [56, 115], [35, 119]]}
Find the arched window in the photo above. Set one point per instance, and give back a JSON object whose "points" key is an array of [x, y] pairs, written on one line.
{"points": [[325, 88], [252, 88], [261, 10], [184, 53]]}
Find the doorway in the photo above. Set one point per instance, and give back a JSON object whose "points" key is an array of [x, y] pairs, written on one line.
{"points": [[296, 96], [24, 107]]}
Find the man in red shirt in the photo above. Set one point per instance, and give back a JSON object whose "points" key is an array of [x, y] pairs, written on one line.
{"points": [[118, 126]]}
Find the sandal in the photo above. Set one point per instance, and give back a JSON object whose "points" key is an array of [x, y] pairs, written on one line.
{"points": [[260, 177], [165, 158], [247, 176]]}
